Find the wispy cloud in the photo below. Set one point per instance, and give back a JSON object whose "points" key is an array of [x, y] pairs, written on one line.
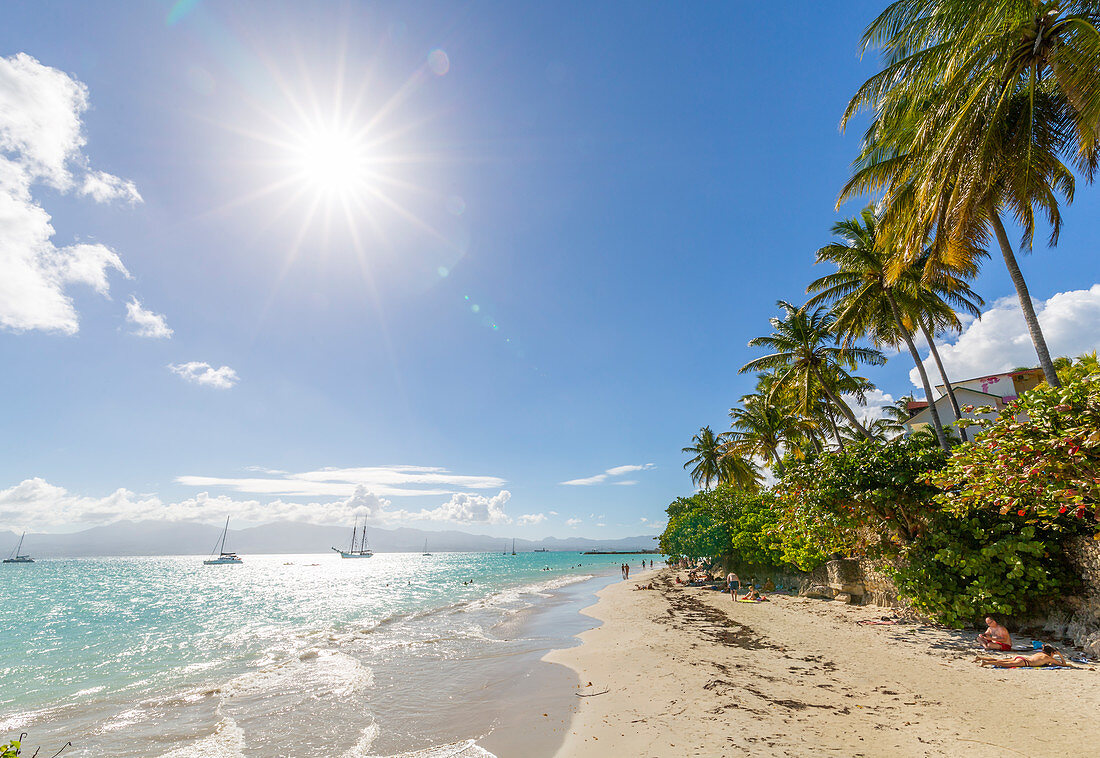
{"points": [[203, 373], [608, 474], [387, 481], [146, 323], [573, 522], [528, 519]]}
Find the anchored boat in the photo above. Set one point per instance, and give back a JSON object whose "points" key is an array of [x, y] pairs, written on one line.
{"points": [[359, 547], [15, 557], [223, 557]]}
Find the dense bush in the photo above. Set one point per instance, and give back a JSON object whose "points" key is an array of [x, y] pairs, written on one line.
{"points": [[730, 523], [1040, 460], [868, 496], [963, 568]]}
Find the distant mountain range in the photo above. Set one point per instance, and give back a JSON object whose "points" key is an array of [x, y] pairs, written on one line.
{"points": [[168, 538]]}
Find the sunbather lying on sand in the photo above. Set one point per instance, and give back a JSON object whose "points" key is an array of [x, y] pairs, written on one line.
{"points": [[995, 637], [1048, 657]]}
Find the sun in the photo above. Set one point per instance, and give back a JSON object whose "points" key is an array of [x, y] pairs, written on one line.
{"points": [[333, 161]]}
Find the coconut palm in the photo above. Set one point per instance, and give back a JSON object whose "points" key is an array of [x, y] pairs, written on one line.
{"points": [[866, 302], [979, 103], [807, 361], [762, 428], [739, 470], [707, 450]]}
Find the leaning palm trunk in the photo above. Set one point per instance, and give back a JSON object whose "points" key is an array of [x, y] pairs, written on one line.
{"points": [[947, 386], [1037, 338], [842, 407], [936, 424]]}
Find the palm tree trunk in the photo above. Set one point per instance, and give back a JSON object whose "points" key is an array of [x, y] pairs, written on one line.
{"points": [[947, 386], [842, 407], [936, 423], [1037, 338], [836, 432]]}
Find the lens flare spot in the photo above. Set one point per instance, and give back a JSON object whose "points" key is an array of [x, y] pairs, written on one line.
{"points": [[438, 62], [475, 308], [456, 206], [443, 271]]}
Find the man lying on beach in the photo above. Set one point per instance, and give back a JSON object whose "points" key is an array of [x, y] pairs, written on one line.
{"points": [[1048, 657], [995, 637]]}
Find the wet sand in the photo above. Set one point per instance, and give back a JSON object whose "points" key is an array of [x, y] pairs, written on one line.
{"points": [[687, 672]]}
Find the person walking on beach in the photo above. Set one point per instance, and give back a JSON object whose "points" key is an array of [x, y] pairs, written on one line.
{"points": [[627, 567], [733, 584]]}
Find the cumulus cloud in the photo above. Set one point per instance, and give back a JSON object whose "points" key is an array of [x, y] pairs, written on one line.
{"points": [[608, 474], [388, 481], [146, 323], [41, 144], [531, 518], [999, 341], [573, 522], [203, 373], [37, 503], [876, 400]]}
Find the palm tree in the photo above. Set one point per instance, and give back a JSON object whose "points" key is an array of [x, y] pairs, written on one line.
{"points": [[807, 360], [708, 450], [866, 302], [761, 428], [979, 102], [739, 470]]}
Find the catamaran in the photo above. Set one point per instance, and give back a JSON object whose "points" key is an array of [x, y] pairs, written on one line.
{"points": [[359, 547], [426, 548], [219, 548], [15, 557]]}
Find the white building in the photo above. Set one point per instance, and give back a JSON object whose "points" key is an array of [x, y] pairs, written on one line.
{"points": [[995, 391]]}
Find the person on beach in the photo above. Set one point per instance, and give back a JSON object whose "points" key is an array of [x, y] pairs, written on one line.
{"points": [[752, 594], [733, 585], [1049, 656], [995, 637], [626, 567]]}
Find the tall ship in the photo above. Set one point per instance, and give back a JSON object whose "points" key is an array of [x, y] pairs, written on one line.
{"points": [[359, 547], [16, 557], [219, 556]]}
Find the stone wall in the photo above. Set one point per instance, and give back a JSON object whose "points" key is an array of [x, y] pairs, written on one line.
{"points": [[1080, 619], [862, 582]]}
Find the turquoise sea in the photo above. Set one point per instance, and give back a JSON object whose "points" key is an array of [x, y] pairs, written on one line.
{"points": [[283, 655]]}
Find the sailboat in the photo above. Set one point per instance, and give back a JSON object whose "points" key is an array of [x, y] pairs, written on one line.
{"points": [[15, 557], [219, 548], [359, 547], [513, 546], [426, 547]]}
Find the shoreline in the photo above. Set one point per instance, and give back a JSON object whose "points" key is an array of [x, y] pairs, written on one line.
{"points": [[685, 671]]}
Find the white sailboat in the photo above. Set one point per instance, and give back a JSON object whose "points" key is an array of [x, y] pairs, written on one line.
{"points": [[513, 546], [15, 557], [426, 547], [359, 547], [223, 557]]}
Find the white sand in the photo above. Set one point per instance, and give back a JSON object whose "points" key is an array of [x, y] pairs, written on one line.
{"points": [[688, 672]]}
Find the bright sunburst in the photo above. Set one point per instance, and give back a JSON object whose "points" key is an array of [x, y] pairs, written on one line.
{"points": [[333, 161]]}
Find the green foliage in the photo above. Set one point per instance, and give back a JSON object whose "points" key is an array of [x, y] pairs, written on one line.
{"points": [[726, 522], [965, 567], [1040, 460], [868, 495], [10, 750]]}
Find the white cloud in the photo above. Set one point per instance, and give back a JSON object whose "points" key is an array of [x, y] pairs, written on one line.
{"points": [[103, 188], [146, 323], [999, 341], [876, 400], [388, 481], [601, 524], [573, 522], [553, 513], [36, 503], [611, 472], [626, 482], [41, 143], [203, 373], [531, 518]]}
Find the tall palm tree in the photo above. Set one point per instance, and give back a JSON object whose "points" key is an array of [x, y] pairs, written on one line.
{"points": [[762, 428], [707, 450], [739, 470], [867, 304], [978, 104], [807, 360]]}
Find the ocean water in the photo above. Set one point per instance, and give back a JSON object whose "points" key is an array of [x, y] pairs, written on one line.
{"points": [[399, 654]]}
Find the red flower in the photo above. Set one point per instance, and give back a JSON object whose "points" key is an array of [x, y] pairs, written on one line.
{"points": [[1020, 512]]}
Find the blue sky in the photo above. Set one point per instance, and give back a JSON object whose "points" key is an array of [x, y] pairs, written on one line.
{"points": [[572, 220]]}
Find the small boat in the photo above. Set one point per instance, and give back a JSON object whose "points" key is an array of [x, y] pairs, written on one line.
{"points": [[223, 556], [426, 548], [15, 557], [513, 546], [359, 547], [542, 550]]}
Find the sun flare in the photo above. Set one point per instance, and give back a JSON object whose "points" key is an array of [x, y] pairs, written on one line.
{"points": [[333, 161]]}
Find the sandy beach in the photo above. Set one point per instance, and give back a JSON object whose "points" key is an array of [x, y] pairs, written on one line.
{"points": [[687, 672]]}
